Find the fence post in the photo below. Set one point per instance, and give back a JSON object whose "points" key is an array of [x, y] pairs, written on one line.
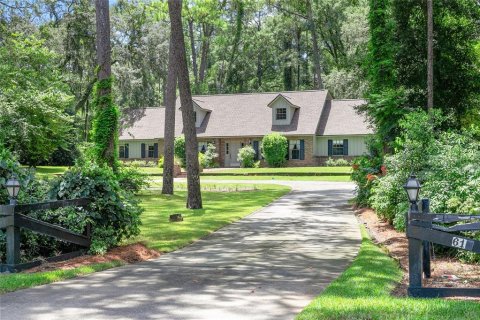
{"points": [[414, 256], [12, 236], [426, 244]]}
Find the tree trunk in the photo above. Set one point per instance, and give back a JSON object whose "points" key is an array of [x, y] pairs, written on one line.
{"points": [[103, 41], [194, 53], [207, 33], [106, 128], [430, 55], [318, 84], [287, 68], [169, 134], [194, 200]]}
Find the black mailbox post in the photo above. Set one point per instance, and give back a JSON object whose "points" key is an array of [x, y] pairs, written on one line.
{"points": [[424, 228]]}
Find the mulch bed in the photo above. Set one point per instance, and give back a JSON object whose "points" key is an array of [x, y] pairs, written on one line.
{"points": [[127, 254], [446, 272]]}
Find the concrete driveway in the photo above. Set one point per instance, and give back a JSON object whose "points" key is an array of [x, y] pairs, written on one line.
{"points": [[268, 265]]}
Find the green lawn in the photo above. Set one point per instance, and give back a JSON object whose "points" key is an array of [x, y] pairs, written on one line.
{"points": [[49, 171], [220, 209], [16, 281], [286, 170], [363, 292], [287, 178]]}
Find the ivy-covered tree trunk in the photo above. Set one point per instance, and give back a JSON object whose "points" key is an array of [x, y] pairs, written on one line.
{"points": [[105, 126], [169, 135], [194, 199]]}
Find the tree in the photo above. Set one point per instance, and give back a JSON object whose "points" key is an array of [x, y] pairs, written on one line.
{"points": [[194, 200], [105, 130], [316, 50], [169, 133], [34, 100], [430, 55]]}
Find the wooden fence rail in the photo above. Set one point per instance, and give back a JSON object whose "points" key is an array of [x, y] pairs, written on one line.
{"points": [[12, 219]]}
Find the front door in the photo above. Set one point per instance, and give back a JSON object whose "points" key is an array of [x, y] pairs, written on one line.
{"points": [[231, 153]]}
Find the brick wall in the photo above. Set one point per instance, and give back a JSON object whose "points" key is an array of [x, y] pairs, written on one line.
{"points": [[309, 160]]}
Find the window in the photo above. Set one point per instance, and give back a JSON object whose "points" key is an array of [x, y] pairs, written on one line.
{"points": [[123, 151], [281, 114], [294, 149], [151, 151], [337, 148]]}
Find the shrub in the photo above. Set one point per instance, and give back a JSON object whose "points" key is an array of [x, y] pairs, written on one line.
{"points": [[201, 160], [340, 162], [131, 179], [179, 151], [210, 156], [246, 156], [115, 213], [160, 163], [446, 164], [365, 170], [275, 149]]}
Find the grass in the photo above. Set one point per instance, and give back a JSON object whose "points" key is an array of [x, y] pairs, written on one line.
{"points": [[286, 170], [363, 292], [285, 178], [220, 209], [16, 281], [49, 171]]}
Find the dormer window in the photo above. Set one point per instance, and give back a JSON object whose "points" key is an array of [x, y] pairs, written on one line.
{"points": [[281, 114]]}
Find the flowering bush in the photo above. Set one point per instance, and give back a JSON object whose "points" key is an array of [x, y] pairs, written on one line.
{"points": [[246, 156], [445, 162]]}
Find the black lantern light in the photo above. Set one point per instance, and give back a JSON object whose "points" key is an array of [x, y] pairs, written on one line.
{"points": [[13, 188], [412, 187]]}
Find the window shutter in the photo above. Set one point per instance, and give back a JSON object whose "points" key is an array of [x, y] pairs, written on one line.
{"points": [[126, 151], [330, 147], [155, 150], [345, 147], [288, 150], [143, 150], [255, 147], [302, 149]]}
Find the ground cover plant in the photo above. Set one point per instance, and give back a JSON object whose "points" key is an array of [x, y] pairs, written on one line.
{"points": [[363, 292]]}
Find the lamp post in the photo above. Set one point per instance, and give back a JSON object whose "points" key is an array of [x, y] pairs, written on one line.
{"points": [[13, 188], [412, 187]]}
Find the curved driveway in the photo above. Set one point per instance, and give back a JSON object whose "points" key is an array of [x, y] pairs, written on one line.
{"points": [[268, 265]]}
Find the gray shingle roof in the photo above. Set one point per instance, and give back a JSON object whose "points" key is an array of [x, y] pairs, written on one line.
{"points": [[236, 115], [340, 117]]}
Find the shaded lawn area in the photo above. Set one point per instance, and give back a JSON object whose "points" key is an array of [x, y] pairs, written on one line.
{"points": [[220, 209], [363, 292], [16, 281]]}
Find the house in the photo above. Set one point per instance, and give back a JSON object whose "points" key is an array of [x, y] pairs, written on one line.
{"points": [[316, 126]]}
